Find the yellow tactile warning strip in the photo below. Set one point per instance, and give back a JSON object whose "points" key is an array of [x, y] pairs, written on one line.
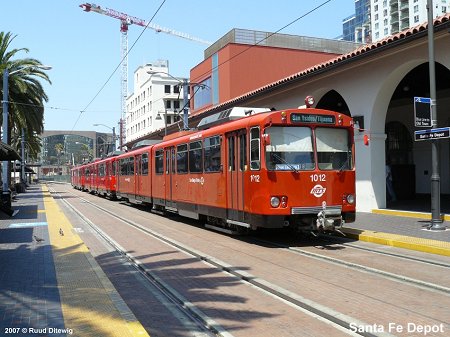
{"points": [[406, 214], [400, 241], [87, 296]]}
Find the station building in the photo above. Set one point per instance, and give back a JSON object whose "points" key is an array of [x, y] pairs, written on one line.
{"points": [[375, 83]]}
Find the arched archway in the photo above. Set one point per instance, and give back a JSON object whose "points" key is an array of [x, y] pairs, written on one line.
{"points": [[332, 100], [411, 160]]}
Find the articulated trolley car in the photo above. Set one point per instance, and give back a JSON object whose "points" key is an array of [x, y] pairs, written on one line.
{"points": [[247, 168]]}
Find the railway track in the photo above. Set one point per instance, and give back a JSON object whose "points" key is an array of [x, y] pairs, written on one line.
{"points": [[393, 276], [207, 325], [204, 322]]}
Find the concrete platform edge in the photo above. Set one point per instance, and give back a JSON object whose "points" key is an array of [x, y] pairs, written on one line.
{"points": [[408, 214], [399, 241]]}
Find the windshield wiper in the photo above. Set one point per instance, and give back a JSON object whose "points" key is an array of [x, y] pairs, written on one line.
{"points": [[284, 162], [346, 162]]}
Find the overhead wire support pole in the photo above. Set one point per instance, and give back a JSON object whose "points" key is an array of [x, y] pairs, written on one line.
{"points": [[5, 163], [436, 220]]}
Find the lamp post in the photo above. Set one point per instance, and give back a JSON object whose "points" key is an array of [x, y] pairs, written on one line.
{"points": [[185, 84], [158, 117], [5, 163], [113, 129]]}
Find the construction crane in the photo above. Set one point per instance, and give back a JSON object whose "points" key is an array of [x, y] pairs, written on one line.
{"points": [[125, 21]]}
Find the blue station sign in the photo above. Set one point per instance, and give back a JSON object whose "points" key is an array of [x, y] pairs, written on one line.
{"points": [[432, 134], [422, 112]]}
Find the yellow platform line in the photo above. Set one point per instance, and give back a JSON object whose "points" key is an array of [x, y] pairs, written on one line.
{"points": [[400, 241], [406, 214], [84, 289]]}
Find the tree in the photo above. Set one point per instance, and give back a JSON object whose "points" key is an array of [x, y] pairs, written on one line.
{"points": [[26, 94], [59, 148]]}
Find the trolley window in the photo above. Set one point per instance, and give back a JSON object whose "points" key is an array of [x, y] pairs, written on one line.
{"points": [[159, 162], [130, 166], [182, 158], [195, 157], [101, 170], [242, 152], [144, 164], [255, 144], [290, 149], [333, 149], [211, 154], [114, 168], [123, 166]]}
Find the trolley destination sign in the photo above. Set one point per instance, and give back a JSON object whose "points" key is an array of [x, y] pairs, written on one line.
{"points": [[312, 118], [432, 134], [422, 112]]}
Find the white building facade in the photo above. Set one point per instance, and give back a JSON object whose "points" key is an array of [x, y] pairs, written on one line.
{"points": [[157, 101], [389, 17]]}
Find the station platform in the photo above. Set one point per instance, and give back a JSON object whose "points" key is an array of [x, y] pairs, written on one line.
{"points": [[50, 283], [52, 286]]}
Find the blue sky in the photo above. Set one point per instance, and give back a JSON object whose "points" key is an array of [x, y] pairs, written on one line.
{"points": [[84, 48]]}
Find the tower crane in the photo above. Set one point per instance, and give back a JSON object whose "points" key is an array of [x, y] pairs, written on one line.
{"points": [[125, 21]]}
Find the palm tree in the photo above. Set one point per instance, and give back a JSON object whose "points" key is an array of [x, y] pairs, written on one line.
{"points": [[26, 94]]}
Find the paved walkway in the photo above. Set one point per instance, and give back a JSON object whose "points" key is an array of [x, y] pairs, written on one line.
{"points": [[50, 285]]}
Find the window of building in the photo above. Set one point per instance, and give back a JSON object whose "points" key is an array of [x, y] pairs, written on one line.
{"points": [[202, 94], [167, 89]]}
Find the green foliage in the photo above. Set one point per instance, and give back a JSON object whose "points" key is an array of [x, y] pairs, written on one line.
{"points": [[26, 95]]}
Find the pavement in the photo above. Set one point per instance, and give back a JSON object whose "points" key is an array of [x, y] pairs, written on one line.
{"points": [[50, 285]]}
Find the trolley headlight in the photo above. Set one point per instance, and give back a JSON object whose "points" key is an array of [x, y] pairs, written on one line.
{"points": [[351, 199], [274, 202]]}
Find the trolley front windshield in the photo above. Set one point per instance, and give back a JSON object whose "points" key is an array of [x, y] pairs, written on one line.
{"points": [[292, 149]]}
